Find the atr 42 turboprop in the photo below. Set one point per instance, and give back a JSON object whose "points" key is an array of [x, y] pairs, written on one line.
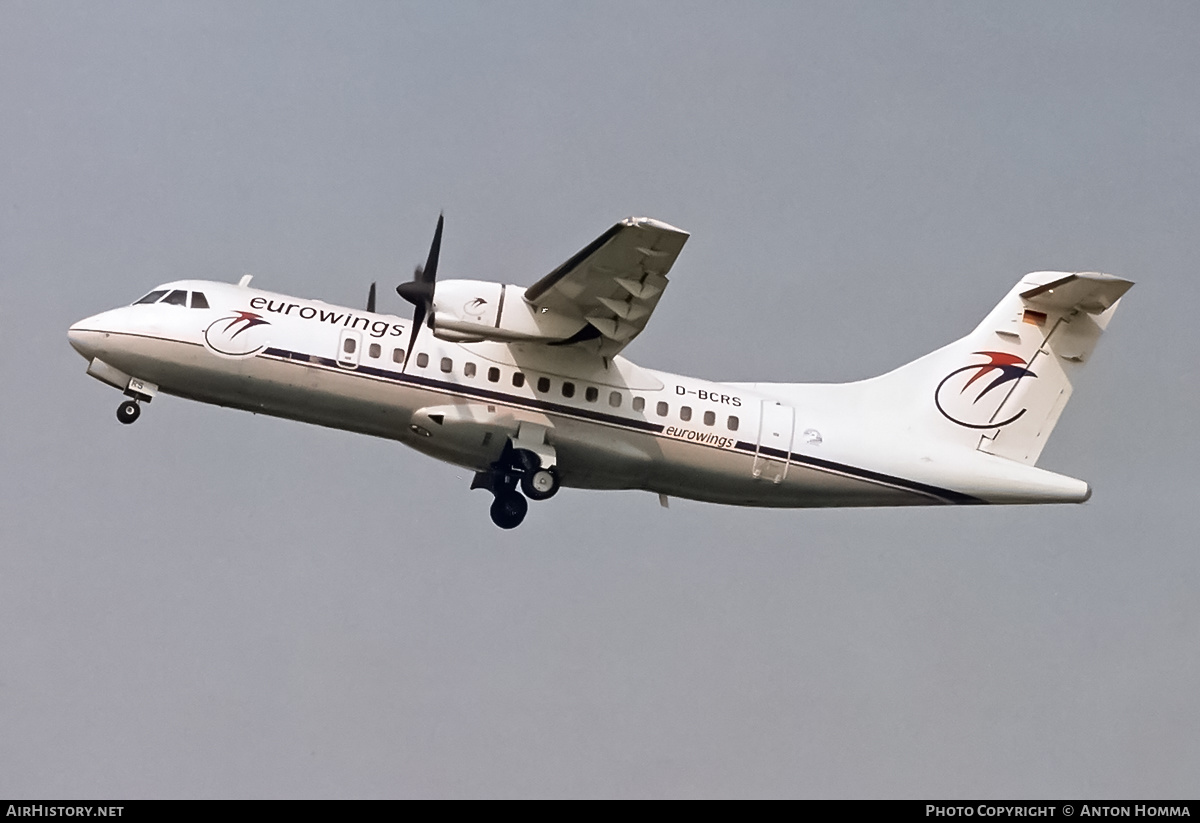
{"points": [[527, 386]]}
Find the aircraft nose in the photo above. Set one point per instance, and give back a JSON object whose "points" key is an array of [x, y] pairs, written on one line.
{"points": [[83, 336]]}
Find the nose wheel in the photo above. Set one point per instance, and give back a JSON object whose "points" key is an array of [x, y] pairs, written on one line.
{"points": [[128, 411]]}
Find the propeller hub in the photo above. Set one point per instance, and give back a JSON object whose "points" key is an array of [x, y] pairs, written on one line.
{"points": [[415, 292]]}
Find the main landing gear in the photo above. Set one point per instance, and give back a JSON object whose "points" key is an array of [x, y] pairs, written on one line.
{"points": [[517, 471], [509, 508]]}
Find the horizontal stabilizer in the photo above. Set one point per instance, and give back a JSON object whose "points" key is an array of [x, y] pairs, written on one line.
{"points": [[1090, 291]]}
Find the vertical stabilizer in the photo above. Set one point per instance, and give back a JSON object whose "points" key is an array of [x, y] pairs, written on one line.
{"points": [[1002, 387], [1057, 327]]}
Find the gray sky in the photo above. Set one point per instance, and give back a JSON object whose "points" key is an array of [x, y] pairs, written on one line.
{"points": [[214, 604]]}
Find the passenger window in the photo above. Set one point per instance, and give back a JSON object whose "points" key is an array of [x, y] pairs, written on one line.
{"points": [[662, 409], [639, 403], [518, 379], [685, 413], [568, 389], [469, 370], [591, 394], [614, 399], [543, 384], [374, 350], [710, 418], [447, 365], [397, 355], [176, 298], [422, 360], [494, 375], [732, 423], [152, 297], [199, 301], [349, 345]]}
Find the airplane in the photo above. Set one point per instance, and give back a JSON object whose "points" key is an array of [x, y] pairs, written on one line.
{"points": [[527, 386]]}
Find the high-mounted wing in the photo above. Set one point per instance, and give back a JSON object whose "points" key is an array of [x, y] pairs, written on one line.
{"points": [[613, 283]]}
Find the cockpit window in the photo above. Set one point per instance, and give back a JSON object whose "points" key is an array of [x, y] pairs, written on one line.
{"points": [[198, 300], [176, 298], [152, 297]]}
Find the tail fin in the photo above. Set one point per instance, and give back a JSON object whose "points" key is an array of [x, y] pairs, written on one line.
{"points": [[1002, 388]]}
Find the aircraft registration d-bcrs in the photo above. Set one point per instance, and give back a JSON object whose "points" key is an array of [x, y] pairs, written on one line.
{"points": [[527, 388]]}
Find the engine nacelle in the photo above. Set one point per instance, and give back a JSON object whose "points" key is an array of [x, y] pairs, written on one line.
{"points": [[467, 311]]}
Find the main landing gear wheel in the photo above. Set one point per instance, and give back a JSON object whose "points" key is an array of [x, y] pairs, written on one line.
{"points": [[509, 509], [128, 411], [540, 485]]}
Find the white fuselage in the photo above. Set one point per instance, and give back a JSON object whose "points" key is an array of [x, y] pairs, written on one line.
{"points": [[612, 424]]}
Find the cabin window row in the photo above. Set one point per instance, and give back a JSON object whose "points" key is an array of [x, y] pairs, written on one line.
{"points": [[374, 350], [568, 389], [590, 393]]}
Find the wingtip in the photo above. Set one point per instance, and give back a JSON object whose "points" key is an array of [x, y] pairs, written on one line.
{"points": [[652, 223]]}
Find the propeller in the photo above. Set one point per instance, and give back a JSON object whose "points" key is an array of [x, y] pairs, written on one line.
{"points": [[419, 290], [371, 299]]}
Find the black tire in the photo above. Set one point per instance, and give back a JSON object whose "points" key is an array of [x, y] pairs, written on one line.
{"points": [[540, 485], [128, 411], [509, 509]]}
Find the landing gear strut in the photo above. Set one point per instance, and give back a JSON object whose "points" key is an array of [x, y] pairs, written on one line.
{"points": [[128, 411]]}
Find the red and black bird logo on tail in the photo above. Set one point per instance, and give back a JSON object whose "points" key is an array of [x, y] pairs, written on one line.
{"points": [[975, 415]]}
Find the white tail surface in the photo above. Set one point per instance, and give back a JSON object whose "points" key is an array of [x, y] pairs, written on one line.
{"points": [[999, 390], [1002, 388]]}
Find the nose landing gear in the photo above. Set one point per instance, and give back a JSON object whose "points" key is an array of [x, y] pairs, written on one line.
{"points": [[128, 411], [137, 391]]}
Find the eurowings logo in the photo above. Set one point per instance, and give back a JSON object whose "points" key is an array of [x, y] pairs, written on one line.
{"points": [[971, 409], [225, 335]]}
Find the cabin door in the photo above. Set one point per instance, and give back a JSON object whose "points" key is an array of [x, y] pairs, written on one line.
{"points": [[348, 348], [773, 454]]}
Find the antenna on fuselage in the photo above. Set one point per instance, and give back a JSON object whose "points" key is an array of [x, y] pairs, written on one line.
{"points": [[371, 299], [245, 281]]}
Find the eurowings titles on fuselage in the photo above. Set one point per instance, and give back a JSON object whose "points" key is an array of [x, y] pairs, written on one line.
{"points": [[528, 388]]}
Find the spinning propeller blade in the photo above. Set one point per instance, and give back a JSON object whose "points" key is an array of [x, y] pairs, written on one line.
{"points": [[419, 290]]}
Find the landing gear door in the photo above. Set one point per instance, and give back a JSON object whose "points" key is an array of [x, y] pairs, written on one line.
{"points": [[348, 348], [773, 454]]}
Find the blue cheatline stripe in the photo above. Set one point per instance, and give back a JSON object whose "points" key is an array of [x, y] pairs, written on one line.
{"points": [[866, 474], [459, 389]]}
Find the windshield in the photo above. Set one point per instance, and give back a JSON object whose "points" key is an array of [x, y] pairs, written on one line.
{"points": [[152, 297], [175, 297]]}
